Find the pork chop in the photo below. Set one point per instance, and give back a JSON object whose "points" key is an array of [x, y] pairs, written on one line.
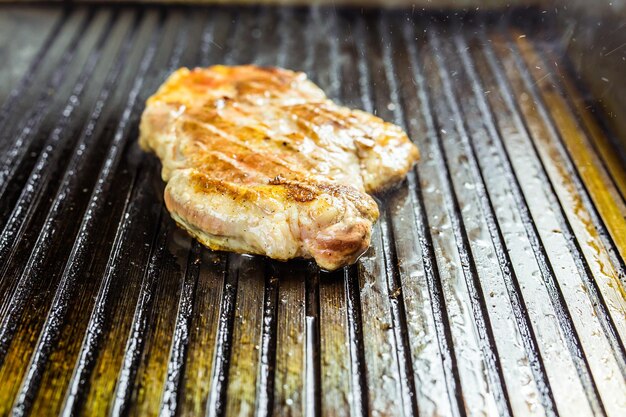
{"points": [[259, 160]]}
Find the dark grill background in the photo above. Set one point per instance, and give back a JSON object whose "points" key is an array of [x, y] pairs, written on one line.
{"points": [[495, 281]]}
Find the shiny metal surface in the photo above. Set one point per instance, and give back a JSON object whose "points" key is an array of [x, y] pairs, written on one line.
{"points": [[495, 280]]}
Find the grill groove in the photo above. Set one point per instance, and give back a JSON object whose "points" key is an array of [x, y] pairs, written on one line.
{"points": [[27, 80], [591, 350], [29, 125], [464, 266]]}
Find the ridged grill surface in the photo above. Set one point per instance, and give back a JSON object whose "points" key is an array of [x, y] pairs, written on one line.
{"points": [[495, 280]]}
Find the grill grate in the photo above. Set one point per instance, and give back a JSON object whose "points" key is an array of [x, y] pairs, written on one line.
{"points": [[495, 281]]}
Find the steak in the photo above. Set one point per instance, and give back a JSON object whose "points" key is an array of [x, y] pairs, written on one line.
{"points": [[259, 160]]}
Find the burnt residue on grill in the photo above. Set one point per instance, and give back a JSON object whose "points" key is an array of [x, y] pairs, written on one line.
{"points": [[495, 280]]}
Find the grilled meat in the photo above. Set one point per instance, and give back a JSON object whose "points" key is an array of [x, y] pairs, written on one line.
{"points": [[259, 160]]}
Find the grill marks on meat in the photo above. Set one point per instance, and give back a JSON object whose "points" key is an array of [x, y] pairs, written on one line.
{"points": [[258, 160]]}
